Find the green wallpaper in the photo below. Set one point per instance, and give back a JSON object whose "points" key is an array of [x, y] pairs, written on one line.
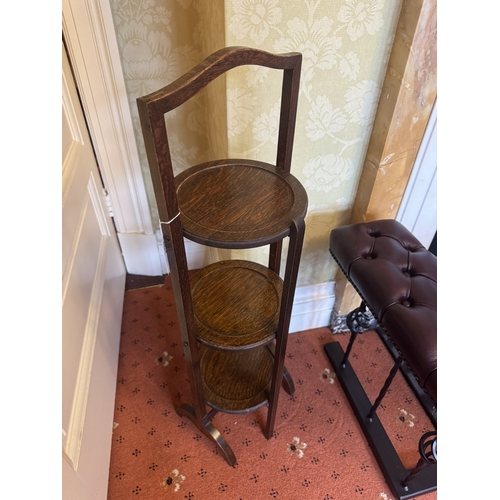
{"points": [[345, 46]]}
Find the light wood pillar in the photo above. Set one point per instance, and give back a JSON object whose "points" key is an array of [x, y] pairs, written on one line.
{"points": [[408, 94]]}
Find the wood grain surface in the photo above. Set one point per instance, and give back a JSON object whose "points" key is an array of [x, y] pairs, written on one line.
{"points": [[238, 203], [236, 304]]}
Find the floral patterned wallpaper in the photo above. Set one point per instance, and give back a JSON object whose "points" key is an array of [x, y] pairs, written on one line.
{"points": [[345, 46]]}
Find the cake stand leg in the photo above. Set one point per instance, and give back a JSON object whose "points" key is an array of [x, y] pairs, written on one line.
{"points": [[297, 229], [208, 430]]}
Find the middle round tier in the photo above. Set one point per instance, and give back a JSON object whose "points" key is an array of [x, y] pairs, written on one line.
{"points": [[236, 304]]}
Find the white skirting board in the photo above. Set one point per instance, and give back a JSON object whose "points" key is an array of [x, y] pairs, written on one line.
{"points": [[312, 306], [144, 254]]}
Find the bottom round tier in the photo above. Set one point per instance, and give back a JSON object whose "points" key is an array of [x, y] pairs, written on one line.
{"points": [[237, 381]]}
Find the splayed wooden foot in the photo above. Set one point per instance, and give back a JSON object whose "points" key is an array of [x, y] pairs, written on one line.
{"points": [[287, 382], [208, 430]]}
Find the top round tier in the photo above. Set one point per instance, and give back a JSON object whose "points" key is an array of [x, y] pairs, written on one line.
{"points": [[238, 203]]}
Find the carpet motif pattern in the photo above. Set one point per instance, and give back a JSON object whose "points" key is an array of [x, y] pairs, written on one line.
{"points": [[317, 451]]}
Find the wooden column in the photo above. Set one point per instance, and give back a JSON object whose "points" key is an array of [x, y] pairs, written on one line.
{"points": [[408, 95]]}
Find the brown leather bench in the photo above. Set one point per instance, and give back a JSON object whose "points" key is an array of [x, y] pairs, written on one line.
{"points": [[396, 278]]}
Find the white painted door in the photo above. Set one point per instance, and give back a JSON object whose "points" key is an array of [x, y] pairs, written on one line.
{"points": [[93, 284]]}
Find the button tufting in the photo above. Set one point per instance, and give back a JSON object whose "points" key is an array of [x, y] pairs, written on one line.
{"points": [[411, 248], [412, 326]]}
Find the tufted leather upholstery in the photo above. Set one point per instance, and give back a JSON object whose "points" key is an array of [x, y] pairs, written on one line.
{"points": [[397, 278]]}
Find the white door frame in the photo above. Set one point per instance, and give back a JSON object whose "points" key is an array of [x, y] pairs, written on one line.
{"points": [[90, 37], [418, 209]]}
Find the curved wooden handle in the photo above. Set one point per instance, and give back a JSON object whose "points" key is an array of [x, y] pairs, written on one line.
{"points": [[209, 69]]}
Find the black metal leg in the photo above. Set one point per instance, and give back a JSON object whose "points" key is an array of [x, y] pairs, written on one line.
{"points": [[349, 347], [383, 391], [427, 404], [352, 323]]}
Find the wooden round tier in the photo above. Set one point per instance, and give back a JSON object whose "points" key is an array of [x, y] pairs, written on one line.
{"points": [[237, 382], [236, 304], [238, 203]]}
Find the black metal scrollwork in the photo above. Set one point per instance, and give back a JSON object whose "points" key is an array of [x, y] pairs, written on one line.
{"points": [[427, 446]]}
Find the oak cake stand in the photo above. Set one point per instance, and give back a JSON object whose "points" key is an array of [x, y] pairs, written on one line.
{"points": [[234, 315]]}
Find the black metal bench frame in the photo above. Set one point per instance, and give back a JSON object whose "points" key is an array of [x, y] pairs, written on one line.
{"points": [[404, 484]]}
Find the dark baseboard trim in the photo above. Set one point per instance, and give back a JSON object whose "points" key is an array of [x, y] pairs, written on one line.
{"points": [[135, 281]]}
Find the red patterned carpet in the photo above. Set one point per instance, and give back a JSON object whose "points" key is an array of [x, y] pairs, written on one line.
{"points": [[318, 450]]}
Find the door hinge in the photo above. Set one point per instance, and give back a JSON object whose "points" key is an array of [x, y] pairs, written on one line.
{"points": [[107, 201]]}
